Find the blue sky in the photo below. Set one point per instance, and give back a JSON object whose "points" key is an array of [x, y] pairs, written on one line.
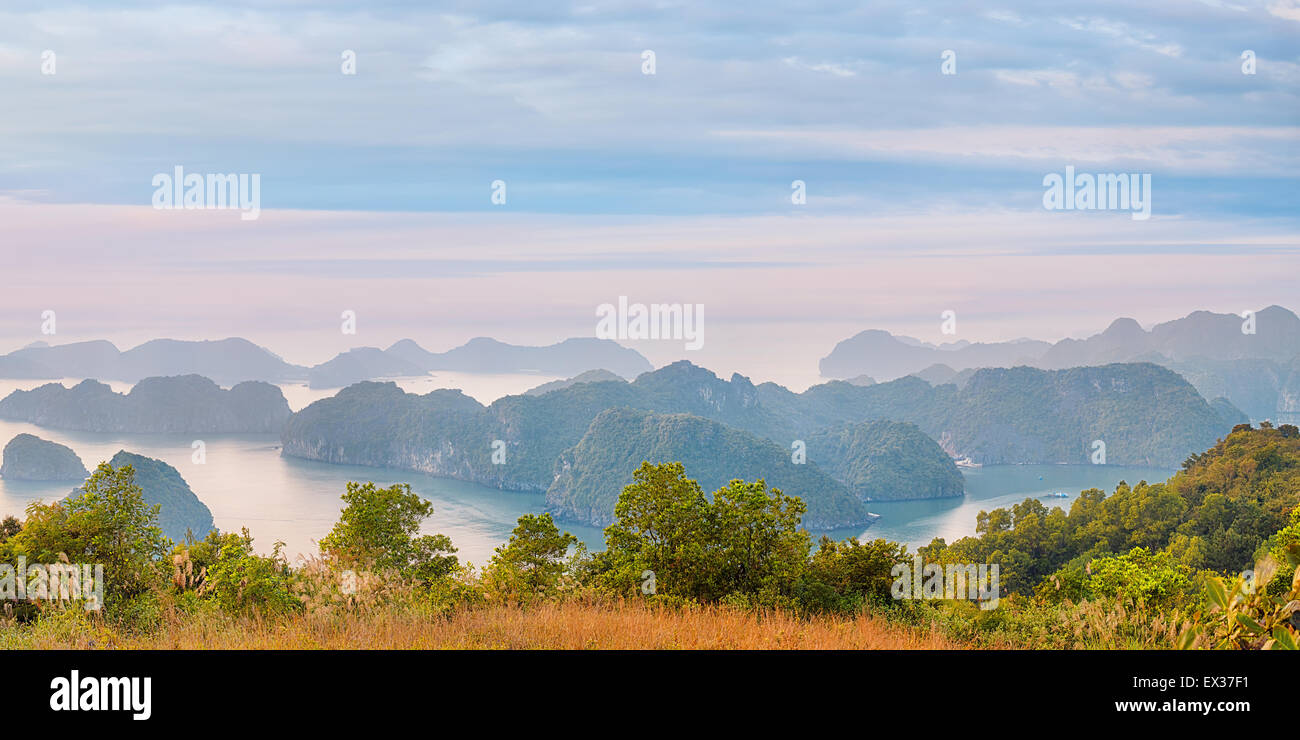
{"points": [[450, 96], [924, 189]]}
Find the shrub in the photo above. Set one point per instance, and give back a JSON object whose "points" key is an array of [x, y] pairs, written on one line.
{"points": [[241, 581]]}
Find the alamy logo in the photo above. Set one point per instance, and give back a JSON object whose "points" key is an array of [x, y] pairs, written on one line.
{"points": [[53, 582], [1101, 192], [92, 694], [1098, 452], [960, 581], [656, 321], [212, 192]]}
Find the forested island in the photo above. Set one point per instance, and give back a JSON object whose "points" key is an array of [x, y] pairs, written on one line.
{"points": [[1143, 413], [28, 457], [180, 404]]}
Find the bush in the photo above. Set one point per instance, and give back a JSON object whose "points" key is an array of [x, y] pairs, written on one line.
{"points": [[845, 576], [1243, 615], [1154, 579], [242, 581]]}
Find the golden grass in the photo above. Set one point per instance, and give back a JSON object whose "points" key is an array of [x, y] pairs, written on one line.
{"points": [[564, 626]]}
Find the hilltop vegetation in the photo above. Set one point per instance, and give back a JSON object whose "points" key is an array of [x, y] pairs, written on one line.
{"points": [[591, 376], [1214, 514], [680, 567]]}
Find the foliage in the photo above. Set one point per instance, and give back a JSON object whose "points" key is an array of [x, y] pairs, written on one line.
{"points": [[532, 564], [179, 510], [745, 543], [1242, 614], [1150, 416], [241, 580], [589, 477], [9, 527], [1113, 572], [106, 522], [1214, 514], [377, 531], [846, 576], [1141, 576], [885, 460]]}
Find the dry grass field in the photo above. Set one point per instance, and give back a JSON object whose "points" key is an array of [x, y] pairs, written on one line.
{"points": [[562, 626]]}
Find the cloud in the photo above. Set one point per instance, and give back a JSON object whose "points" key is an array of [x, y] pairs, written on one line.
{"points": [[449, 98], [1178, 149], [1289, 9], [131, 273]]}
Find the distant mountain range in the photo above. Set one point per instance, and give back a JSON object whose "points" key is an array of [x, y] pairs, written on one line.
{"points": [[482, 355], [1258, 372], [1144, 414], [224, 361], [185, 404], [233, 360]]}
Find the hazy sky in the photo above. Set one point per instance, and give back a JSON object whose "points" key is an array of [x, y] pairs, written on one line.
{"points": [[924, 190]]}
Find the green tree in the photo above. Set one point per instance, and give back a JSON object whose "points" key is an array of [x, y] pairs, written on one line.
{"points": [[1151, 578], [9, 527], [533, 563], [759, 549], [659, 526], [744, 545], [378, 528], [106, 522]]}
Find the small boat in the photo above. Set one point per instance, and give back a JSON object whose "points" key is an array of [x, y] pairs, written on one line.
{"points": [[966, 462], [1059, 494]]}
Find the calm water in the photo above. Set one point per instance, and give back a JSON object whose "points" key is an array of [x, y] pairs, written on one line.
{"points": [[246, 483], [915, 523]]}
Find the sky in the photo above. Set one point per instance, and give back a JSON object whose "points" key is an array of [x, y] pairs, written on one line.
{"points": [[924, 190]]}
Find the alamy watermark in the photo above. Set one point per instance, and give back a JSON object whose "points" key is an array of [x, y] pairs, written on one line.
{"points": [[959, 581], [655, 321], [102, 694], [53, 582], [213, 191], [1114, 191]]}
